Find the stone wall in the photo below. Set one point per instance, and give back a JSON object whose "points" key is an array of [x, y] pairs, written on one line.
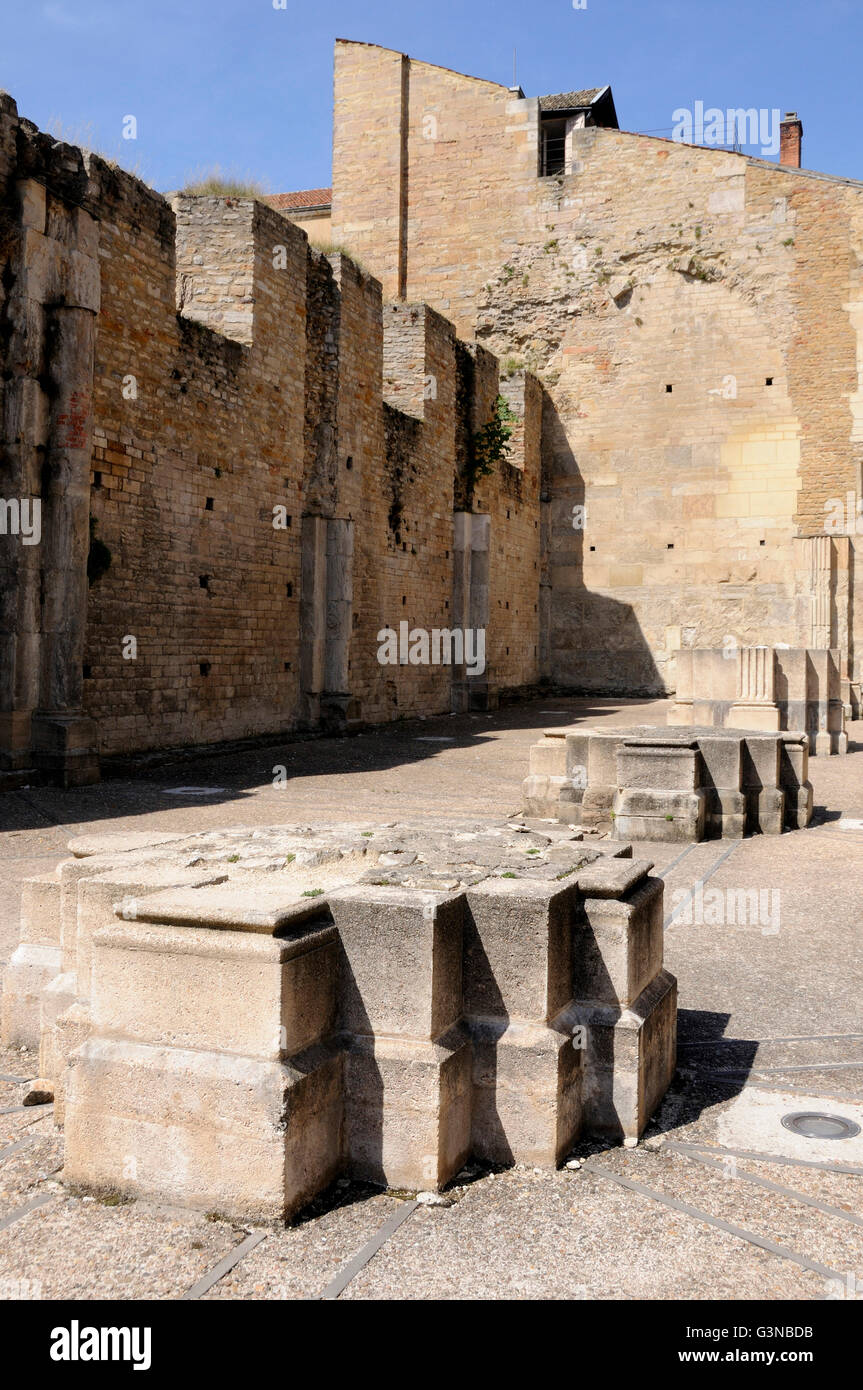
{"points": [[189, 461], [695, 317], [274, 475]]}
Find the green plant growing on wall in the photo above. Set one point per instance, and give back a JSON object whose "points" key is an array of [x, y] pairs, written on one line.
{"points": [[99, 557], [491, 443], [511, 365]]}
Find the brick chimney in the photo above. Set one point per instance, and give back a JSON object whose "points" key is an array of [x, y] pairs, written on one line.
{"points": [[790, 140]]}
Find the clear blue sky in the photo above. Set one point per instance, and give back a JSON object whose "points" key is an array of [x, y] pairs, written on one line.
{"points": [[242, 85]]}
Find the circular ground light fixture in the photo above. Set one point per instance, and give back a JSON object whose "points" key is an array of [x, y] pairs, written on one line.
{"points": [[812, 1124]]}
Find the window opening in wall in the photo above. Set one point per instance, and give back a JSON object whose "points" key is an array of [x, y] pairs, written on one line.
{"points": [[552, 150]]}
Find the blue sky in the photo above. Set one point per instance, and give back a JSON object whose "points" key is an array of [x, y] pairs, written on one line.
{"points": [[248, 87]]}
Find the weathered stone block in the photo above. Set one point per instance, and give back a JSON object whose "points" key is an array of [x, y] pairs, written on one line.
{"points": [[527, 1101], [27, 976], [40, 910], [658, 764], [64, 747], [401, 960], [518, 948], [724, 802], [233, 992], [617, 947], [543, 796], [320, 1009], [676, 817], [100, 894], [408, 1108], [34, 962], [630, 1058], [246, 1138]]}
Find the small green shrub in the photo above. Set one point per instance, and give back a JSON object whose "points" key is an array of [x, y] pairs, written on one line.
{"points": [[491, 443]]}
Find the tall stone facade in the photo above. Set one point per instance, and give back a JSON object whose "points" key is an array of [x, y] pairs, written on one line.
{"points": [[696, 319], [257, 464], [251, 457]]}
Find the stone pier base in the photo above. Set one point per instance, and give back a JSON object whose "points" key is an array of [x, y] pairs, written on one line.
{"points": [[232, 1023], [676, 784]]}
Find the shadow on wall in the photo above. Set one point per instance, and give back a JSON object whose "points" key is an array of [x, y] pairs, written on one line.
{"points": [[596, 645]]}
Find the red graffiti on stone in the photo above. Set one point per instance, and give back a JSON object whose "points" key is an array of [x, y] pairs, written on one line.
{"points": [[72, 427]]}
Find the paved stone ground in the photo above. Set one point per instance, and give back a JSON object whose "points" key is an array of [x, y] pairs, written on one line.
{"points": [[771, 1021]]}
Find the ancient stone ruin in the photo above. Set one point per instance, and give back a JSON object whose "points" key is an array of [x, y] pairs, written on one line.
{"points": [[570, 406], [232, 1020], [766, 688], [671, 784], [251, 456]]}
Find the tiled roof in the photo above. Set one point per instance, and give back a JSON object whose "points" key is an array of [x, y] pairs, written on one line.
{"points": [[570, 101], [309, 198]]}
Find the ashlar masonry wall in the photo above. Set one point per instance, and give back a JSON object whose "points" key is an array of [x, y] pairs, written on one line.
{"points": [[268, 467], [695, 319], [198, 437]]}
